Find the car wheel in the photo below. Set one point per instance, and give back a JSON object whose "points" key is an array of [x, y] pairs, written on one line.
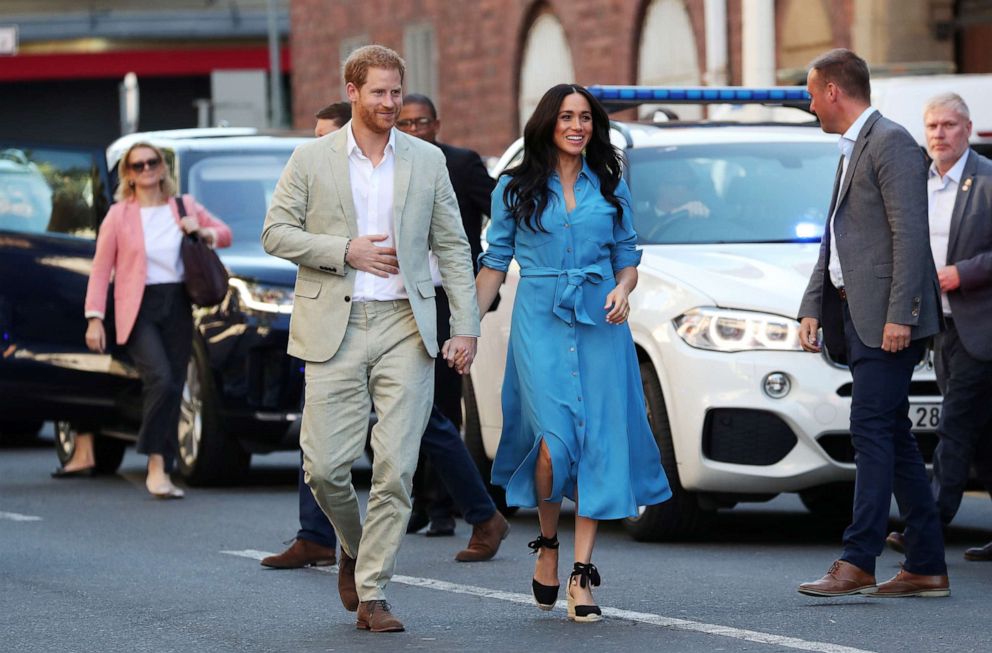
{"points": [[680, 516], [108, 452], [18, 432], [473, 442], [834, 501], [208, 454]]}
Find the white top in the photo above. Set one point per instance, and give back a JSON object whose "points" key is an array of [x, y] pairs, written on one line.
{"points": [[846, 146], [162, 239], [942, 192], [372, 193]]}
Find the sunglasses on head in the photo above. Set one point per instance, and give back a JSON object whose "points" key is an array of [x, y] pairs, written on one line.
{"points": [[139, 166]]}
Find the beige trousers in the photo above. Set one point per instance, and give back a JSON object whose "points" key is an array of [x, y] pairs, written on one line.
{"points": [[382, 360]]}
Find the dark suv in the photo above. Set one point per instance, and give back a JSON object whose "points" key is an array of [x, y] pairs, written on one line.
{"points": [[243, 391]]}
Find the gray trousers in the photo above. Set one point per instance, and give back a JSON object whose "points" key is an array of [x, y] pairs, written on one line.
{"points": [[382, 360]]}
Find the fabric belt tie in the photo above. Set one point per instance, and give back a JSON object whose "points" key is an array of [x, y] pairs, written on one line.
{"points": [[569, 306]]}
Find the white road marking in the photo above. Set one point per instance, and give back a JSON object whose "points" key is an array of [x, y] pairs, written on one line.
{"points": [[627, 615], [16, 516]]}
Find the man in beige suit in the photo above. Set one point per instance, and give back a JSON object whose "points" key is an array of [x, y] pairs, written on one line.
{"points": [[359, 211]]}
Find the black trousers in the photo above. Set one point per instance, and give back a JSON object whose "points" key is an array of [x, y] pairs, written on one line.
{"points": [[965, 428], [160, 346], [446, 476]]}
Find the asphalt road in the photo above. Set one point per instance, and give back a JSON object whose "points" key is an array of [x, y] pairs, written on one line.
{"points": [[96, 565]]}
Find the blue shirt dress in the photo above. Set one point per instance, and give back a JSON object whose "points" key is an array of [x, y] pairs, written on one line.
{"points": [[572, 378]]}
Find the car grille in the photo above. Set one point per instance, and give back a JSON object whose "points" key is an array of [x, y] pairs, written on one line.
{"points": [[746, 437], [839, 447]]}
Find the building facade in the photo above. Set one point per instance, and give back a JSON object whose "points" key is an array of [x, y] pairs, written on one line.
{"points": [[486, 62], [196, 62]]}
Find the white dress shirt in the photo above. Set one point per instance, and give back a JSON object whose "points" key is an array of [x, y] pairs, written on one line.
{"points": [[162, 239], [942, 192], [372, 193], [846, 146]]}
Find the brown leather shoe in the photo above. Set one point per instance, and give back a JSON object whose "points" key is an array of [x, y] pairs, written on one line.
{"points": [[979, 553], [896, 541], [485, 540], [906, 584], [375, 616], [842, 579], [346, 582], [301, 553]]}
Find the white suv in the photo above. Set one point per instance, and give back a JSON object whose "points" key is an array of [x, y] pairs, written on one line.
{"points": [[729, 218]]}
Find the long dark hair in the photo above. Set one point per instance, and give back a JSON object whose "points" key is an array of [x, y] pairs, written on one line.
{"points": [[526, 195]]}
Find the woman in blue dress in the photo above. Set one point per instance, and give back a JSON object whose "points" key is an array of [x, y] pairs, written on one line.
{"points": [[574, 422]]}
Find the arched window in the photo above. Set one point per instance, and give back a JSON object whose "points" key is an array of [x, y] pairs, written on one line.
{"points": [[804, 34], [547, 60], [667, 52]]}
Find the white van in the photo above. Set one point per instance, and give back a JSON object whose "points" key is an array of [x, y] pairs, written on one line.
{"points": [[902, 99]]}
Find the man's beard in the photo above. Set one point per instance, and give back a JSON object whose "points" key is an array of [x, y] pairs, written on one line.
{"points": [[377, 122]]}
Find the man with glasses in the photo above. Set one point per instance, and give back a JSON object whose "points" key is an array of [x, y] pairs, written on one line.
{"points": [[445, 463]]}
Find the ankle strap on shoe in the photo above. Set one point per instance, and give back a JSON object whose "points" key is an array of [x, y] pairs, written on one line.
{"points": [[587, 574], [543, 542]]}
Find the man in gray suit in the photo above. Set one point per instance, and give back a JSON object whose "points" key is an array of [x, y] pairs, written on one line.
{"points": [[960, 190], [358, 211], [874, 290]]}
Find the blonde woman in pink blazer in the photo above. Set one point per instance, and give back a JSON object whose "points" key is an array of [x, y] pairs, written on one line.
{"points": [[138, 245]]}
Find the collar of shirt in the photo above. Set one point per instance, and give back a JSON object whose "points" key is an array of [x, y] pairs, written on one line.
{"points": [[586, 172], [954, 174], [850, 137], [354, 150]]}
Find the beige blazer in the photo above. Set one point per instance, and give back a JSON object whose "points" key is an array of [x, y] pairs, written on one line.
{"points": [[312, 217]]}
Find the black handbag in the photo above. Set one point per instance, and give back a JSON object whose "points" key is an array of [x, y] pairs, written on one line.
{"points": [[205, 275]]}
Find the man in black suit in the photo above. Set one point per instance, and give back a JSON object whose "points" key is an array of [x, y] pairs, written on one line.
{"points": [[445, 468], [960, 211], [874, 290]]}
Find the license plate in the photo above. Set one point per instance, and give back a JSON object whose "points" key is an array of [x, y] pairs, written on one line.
{"points": [[925, 417]]}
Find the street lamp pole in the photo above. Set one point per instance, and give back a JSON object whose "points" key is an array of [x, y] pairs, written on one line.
{"points": [[275, 69]]}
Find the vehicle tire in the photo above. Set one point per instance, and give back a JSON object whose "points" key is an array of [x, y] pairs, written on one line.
{"points": [[473, 442], [19, 432], [207, 453], [108, 452], [833, 502], [679, 517]]}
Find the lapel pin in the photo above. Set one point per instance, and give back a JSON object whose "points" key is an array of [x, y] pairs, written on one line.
{"points": [[966, 186]]}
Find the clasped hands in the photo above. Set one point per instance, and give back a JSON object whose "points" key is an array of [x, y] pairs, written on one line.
{"points": [[459, 352]]}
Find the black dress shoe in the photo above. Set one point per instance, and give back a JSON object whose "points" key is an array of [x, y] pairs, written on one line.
{"points": [[442, 527], [86, 472], [418, 520], [979, 553]]}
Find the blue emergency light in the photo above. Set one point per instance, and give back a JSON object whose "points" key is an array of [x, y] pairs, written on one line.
{"points": [[619, 97]]}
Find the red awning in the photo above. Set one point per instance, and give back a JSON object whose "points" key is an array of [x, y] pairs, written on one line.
{"points": [[144, 63]]}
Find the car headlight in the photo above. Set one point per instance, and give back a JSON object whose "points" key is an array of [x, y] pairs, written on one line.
{"points": [[719, 329], [260, 297]]}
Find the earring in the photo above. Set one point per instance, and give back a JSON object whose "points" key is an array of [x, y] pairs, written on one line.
{"points": [[130, 183]]}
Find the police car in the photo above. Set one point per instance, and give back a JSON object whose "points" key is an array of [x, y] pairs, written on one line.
{"points": [[729, 217]]}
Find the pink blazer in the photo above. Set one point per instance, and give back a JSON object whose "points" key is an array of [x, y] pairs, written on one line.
{"points": [[120, 251]]}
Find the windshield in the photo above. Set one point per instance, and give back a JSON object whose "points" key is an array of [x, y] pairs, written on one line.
{"points": [[46, 190], [238, 190], [732, 193]]}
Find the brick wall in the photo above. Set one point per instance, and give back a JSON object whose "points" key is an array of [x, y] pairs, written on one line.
{"points": [[479, 46]]}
